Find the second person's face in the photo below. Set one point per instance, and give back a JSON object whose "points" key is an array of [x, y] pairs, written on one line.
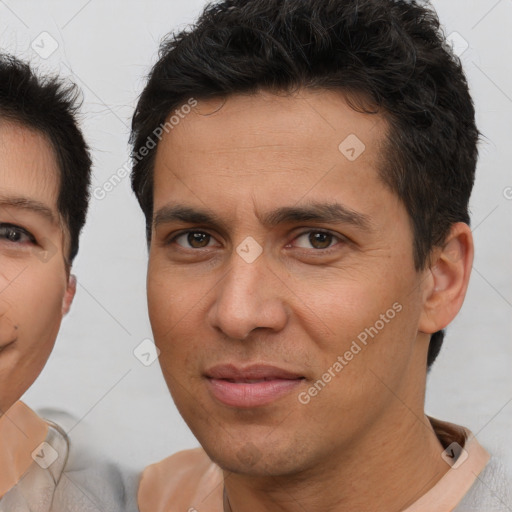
{"points": [[35, 290]]}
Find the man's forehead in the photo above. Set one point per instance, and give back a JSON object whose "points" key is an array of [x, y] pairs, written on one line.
{"points": [[280, 152], [262, 134], [320, 116]]}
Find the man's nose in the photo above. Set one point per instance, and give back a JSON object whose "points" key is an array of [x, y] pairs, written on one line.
{"points": [[250, 296]]}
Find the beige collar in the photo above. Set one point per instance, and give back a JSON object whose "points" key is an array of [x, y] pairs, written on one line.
{"points": [[455, 484], [21, 432]]}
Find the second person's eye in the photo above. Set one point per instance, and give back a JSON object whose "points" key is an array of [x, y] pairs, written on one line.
{"points": [[15, 234]]}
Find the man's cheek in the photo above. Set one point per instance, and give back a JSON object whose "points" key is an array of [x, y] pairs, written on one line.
{"points": [[174, 353], [8, 327], [165, 305]]}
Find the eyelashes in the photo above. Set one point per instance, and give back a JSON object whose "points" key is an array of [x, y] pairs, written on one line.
{"points": [[197, 239], [191, 238], [324, 235], [16, 234]]}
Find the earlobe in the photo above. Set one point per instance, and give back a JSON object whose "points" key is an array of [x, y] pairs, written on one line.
{"points": [[448, 279], [69, 295]]}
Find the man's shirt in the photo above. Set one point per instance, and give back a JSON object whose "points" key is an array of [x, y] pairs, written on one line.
{"points": [[42, 471], [190, 481]]}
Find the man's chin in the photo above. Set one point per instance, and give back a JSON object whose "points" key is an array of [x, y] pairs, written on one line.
{"points": [[254, 458]]}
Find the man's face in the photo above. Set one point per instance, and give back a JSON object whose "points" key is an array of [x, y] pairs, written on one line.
{"points": [[34, 289], [253, 303]]}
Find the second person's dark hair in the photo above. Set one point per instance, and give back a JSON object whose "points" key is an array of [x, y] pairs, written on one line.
{"points": [[50, 106]]}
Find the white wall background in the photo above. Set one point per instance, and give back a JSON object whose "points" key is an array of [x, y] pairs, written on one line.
{"points": [[107, 47]]}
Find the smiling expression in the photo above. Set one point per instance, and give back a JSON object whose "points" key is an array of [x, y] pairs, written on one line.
{"points": [[34, 287]]}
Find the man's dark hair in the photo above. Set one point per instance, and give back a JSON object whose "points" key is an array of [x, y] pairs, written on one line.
{"points": [[50, 106], [388, 57]]}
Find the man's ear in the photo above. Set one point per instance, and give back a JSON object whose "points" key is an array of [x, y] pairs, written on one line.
{"points": [[447, 279], [69, 295]]}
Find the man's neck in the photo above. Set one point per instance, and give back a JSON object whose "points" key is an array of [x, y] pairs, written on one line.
{"points": [[388, 470]]}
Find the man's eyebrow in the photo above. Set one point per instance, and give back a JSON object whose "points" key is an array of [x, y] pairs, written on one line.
{"points": [[182, 213], [26, 203], [330, 213]]}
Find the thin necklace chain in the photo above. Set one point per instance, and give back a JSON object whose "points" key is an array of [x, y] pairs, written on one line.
{"points": [[227, 504]]}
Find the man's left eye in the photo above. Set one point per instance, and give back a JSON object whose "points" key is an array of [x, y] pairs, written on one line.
{"points": [[317, 240], [15, 234]]}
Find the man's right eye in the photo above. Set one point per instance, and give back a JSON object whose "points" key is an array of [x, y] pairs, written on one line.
{"points": [[16, 234], [193, 239]]}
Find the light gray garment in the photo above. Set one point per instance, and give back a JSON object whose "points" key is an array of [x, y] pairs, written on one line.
{"points": [[79, 480], [491, 491]]}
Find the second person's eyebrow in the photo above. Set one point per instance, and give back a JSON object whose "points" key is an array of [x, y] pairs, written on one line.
{"points": [[25, 203]]}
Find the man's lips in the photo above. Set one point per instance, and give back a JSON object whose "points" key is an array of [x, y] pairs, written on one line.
{"points": [[250, 386]]}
